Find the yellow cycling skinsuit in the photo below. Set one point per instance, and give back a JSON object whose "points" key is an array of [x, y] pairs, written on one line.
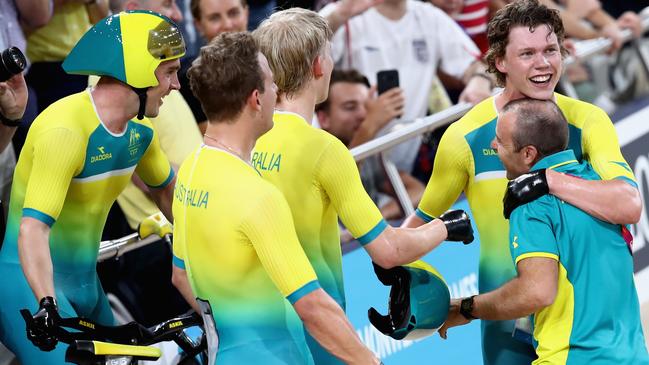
{"points": [[466, 162], [320, 180], [69, 173], [234, 235]]}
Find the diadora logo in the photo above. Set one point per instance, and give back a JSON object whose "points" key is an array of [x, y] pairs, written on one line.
{"points": [[103, 155], [514, 243], [489, 152]]}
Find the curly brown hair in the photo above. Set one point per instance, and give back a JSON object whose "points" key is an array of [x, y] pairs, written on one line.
{"points": [[225, 73], [520, 13]]}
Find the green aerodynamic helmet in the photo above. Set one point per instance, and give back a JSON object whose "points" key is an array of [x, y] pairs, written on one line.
{"points": [[419, 301], [127, 46]]}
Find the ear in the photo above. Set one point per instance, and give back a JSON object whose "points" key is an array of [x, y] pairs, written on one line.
{"points": [[198, 26], [246, 14], [501, 65], [530, 155], [323, 119], [317, 67], [253, 100]]}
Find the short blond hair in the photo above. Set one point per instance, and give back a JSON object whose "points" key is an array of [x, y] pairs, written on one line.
{"points": [[291, 40]]}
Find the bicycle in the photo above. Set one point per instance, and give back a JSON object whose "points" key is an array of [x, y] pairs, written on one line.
{"points": [[93, 344]]}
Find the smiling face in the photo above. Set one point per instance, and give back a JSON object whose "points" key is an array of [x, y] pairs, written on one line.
{"points": [[346, 110], [167, 75], [515, 160], [532, 63], [218, 16]]}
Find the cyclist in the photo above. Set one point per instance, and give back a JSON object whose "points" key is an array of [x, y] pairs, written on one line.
{"points": [[79, 154]]}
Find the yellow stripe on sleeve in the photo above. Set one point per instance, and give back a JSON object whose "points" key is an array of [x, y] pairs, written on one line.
{"points": [[537, 254]]}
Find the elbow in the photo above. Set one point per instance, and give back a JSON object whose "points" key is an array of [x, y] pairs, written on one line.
{"points": [[177, 279], [386, 261], [631, 209], [384, 250], [310, 306], [541, 298]]}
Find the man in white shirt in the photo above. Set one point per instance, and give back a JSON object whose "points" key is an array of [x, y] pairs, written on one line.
{"points": [[414, 38]]}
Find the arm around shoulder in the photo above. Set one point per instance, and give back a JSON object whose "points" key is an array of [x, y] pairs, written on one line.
{"points": [[614, 201]]}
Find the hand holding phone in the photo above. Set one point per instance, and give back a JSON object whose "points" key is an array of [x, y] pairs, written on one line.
{"points": [[386, 80]]}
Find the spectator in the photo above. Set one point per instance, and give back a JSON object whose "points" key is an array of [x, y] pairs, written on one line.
{"points": [[354, 115], [587, 20], [471, 15], [212, 17], [414, 38], [49, 45], [17, 103]]}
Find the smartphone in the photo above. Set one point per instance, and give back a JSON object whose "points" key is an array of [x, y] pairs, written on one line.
{"points": [[386, 80]]}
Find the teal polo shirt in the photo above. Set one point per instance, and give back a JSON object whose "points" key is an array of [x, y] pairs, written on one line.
{"points": [[595, 318]]}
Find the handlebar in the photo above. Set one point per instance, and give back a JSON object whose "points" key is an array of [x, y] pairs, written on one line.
{"points": [[90, 336]]}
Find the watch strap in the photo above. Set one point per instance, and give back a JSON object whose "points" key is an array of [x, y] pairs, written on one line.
{"points": [[466, 307]]}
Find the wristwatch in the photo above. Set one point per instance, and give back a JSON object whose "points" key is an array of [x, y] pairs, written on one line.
{"points": [[10, 122], [466, 307]]}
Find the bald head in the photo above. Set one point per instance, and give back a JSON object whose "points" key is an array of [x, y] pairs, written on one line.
{"points": [[538, 123]]}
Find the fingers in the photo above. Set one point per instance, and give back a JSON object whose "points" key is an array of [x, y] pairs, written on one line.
{"points": [[630, 20], [443, 332], [392, 102]]}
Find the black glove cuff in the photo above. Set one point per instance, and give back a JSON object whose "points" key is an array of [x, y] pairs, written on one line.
{"points": [[47, 302]]}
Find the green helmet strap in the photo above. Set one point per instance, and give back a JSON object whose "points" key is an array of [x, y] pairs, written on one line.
{"points": [[141, 93]]}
